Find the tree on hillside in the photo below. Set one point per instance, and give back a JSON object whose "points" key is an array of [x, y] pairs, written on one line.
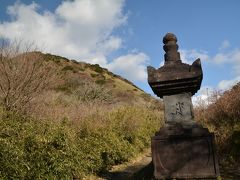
{"points": [[92, 92], [23, 74]]}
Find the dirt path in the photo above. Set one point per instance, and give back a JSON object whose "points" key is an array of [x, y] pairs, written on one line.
{"points": [[131, 169]]}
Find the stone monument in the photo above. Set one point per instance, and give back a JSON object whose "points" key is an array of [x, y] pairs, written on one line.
{"points": [[182, 148]]}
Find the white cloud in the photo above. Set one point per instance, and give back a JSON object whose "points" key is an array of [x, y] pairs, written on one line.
{"points": [[230, 57], [225, 44], [80, 29], [83, 30], [132, 66], [220, 58], [201, 98], [188, 56], [227, 84], [206, 96]]}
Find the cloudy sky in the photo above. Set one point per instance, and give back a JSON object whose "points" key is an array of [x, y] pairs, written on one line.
{"points": [[125, 36]]}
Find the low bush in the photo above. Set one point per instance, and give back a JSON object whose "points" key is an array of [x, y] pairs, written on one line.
{"points": [[94, 75], [97, 68], [35, 149], [68, 68], [100, 81], [222, 117]]}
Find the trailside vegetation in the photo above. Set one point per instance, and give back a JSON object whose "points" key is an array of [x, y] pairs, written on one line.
{"points": [[222, 117], [62, 119], [35, 149]]}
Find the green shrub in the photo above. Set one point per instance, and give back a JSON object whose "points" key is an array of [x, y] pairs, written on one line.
{"points": [[34, 149], [74, 61], [94, 75], [55, 58], [68, 68], [96, 68], [37, 150], [100, 81], [81, 69]]}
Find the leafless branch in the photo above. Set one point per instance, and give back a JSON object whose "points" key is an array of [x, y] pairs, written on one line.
{"points": [[24, 74]]}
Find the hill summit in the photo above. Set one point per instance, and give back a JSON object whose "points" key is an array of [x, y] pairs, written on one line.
{"points": [[79, 82]]}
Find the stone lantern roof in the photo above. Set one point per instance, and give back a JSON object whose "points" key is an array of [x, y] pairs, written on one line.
{"points": [[174, 77]]}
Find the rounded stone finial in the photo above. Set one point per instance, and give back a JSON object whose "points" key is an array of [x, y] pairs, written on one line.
{"points": [[169, 37]]}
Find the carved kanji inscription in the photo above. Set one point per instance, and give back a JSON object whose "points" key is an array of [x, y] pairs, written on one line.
{"points": [[178, 108]]}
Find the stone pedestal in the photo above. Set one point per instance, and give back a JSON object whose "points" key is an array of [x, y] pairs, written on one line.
{"points": [[180, 152]]}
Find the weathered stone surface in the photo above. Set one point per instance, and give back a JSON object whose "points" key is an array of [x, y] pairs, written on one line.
{"points": [[178, 108], [190, 155], [174, 77]]}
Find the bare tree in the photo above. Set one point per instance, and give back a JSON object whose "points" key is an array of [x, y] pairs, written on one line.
{"points": [[23, 74], [90, 92]]}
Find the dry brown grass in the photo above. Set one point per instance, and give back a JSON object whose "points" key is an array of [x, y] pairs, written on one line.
{"points": [[222, 117]]}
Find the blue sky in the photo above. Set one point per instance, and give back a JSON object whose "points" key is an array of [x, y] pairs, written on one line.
{"points": [[126, 36]]}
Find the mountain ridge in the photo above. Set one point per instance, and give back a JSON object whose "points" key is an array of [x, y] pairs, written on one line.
{"points": [[75, 73]]}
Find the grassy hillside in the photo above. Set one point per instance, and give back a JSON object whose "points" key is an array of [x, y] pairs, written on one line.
{"points": [[76, 74], [79, 86], [83, 121]]}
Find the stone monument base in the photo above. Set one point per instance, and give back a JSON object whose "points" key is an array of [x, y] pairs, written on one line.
{"points": [[180, 152]]}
